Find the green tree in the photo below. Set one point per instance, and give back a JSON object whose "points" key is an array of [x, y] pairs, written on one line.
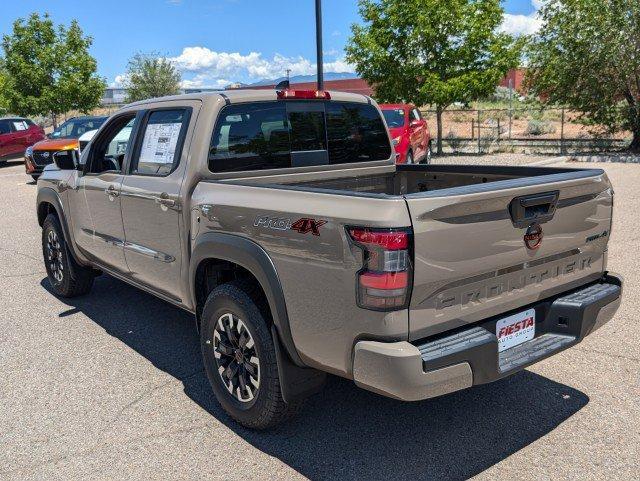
{"points": [[587, 57], [432, 51], [4, 104], [49, 69], [149, 75]]}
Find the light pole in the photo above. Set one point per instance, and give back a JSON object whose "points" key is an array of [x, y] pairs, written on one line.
{"points": [[319, 44]]}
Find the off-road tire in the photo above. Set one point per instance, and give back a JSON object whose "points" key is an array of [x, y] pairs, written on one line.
{"points": [[426, 158], [72, 279], [410, 159], [268, 408]]}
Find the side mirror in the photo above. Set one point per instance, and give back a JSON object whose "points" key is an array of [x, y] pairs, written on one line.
{"points": [[415, 123], [66, 159]]}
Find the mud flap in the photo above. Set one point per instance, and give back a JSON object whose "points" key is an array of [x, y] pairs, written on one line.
{"points": [[296, 383]]}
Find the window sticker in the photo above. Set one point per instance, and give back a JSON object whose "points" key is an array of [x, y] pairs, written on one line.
{"points": [[159, 143]]}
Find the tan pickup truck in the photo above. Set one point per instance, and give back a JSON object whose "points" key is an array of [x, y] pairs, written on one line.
{"points": [[280, 220]]}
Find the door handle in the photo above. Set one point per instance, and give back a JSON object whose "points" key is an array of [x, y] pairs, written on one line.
{"points": [[164, 201], [111, 191]]}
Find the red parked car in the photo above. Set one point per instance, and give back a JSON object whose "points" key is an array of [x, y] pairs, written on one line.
{"points": [[410, 133], [16, 134]]}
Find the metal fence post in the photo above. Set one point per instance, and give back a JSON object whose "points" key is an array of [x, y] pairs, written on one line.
{"points": [[562, 150], [479, 133]]}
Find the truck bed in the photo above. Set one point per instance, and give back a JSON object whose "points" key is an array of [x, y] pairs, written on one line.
{"points": [[420, 179]]}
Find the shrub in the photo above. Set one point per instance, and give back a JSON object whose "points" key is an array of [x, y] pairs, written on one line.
{"points": [[539, 127]]}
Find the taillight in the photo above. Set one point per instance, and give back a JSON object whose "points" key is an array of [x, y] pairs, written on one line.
{"points": [[384, 282], [303, 94]]}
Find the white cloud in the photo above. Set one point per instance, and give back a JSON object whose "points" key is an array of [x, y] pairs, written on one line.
{"points": [[202, 81], [520, 24], [119, 81], [212, 65], [523, 24]]}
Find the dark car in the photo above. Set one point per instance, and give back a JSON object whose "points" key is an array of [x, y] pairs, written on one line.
{"points": [[16, 134], [65, 137]]}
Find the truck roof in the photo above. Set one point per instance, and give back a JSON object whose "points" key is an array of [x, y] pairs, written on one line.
{"points": [[247, 95]]}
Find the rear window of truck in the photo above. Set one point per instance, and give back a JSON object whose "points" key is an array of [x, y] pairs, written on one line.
{"points": [[272, 135]]}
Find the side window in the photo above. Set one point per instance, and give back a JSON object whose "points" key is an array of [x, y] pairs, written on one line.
{"points": [[108, 151], [356, 133], [65, 129], [5, 127], [250, 137], [161, 146], [19, 125], [416, 115]]}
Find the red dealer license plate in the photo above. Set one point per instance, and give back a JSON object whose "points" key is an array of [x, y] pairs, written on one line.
{"points": [[516, 329]]}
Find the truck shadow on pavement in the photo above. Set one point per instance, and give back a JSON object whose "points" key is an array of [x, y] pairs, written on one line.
{"points": [[345, 432]]}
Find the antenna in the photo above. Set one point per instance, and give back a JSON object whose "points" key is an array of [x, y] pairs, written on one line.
{"points": [[319, 44]]}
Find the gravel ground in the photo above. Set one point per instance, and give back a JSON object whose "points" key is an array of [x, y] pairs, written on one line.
{"points": [[110, 386], [497, 159]]}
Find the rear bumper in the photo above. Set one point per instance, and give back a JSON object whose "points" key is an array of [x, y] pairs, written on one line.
{"points": [[412, 372]]}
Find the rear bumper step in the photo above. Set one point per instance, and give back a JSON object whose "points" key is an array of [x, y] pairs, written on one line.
{"points": [[470, 357]]}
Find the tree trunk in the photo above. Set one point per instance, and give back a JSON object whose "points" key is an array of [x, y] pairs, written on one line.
{"points": [[634, 122], [54, 119], [439, 121], [635, 143]]}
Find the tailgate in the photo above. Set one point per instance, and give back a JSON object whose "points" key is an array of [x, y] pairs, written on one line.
{"points": [[471, 258]]}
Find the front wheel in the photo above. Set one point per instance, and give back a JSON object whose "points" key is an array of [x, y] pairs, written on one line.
{"points": [[239, 358], [66, 276]]}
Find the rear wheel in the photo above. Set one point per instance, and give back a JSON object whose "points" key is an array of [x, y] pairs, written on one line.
{"points": [[240, 360], [66, 276], [409, 158], [427, 156]]}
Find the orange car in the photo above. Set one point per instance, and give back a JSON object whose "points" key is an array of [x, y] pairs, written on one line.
{"points": [[65, 137]]}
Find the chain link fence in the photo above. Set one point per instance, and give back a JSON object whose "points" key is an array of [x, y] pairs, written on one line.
{"points": [[526, 130]]}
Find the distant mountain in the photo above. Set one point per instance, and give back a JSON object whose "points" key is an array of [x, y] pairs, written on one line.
{"points": [[307, 78]]}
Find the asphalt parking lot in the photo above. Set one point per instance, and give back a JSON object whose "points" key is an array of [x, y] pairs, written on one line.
{"points": [[111, 386]]}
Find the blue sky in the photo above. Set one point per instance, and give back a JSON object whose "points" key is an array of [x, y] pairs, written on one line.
{"points": [[215, 42]]}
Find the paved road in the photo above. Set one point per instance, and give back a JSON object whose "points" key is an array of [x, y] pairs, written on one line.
{"points": [[110, 386]]}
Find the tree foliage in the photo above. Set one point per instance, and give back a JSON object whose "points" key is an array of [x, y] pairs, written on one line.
{"points": [[149, 75], [432, 51], [48, 69], [4, 104], [587, 56]]}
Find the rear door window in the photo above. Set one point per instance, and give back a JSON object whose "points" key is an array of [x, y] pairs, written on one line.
{"points": [[356, 133], [250, 137], [19, 125], [161, 146], [275, 135]]}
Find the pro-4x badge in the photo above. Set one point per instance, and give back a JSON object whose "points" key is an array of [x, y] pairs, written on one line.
{"points": [[306, 225], [303, 226]]}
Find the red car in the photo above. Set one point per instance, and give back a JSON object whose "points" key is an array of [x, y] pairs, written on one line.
{"points": [[16, 134], [410, 133]]}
